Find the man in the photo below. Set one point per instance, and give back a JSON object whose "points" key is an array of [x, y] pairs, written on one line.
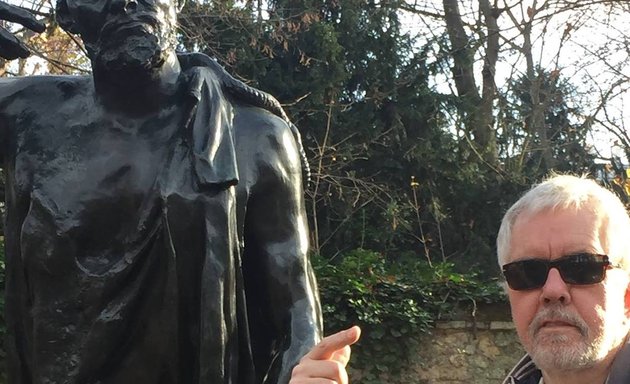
{"points": [[562, 249], [155, 228]]}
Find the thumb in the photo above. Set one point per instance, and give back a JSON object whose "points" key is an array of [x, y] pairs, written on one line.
{"points": [[342, 356]]}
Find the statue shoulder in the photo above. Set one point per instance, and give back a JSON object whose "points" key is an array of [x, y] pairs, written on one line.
{"points": [[258, 123], [258, 114], [33, 92], [236, 90], [264, 140]]}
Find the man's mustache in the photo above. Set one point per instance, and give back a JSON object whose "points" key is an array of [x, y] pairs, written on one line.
{"points": [[557, 314]]}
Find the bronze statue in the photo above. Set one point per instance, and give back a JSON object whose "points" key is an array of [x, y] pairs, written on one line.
{"points": [[155, 228]]}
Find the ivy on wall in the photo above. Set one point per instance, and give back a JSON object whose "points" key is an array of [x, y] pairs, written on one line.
{"points": [[3, 328], [393, 302]]}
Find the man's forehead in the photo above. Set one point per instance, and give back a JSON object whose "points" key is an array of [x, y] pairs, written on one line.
{"points": [[555, 233]]}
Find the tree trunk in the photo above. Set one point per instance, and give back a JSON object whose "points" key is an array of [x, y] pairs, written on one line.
{"points": [[536, 122], [477, 109]]}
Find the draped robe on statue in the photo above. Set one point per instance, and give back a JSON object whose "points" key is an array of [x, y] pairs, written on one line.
{"points": [[123, 259]]}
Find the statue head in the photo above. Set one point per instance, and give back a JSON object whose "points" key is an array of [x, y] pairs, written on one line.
{"points": [[131, 37]]}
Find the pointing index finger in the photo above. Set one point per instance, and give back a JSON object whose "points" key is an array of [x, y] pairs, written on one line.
{"points": [[330, 344]]}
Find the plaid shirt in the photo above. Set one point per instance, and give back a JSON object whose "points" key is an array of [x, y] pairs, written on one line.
{"points": [[525, 371]]}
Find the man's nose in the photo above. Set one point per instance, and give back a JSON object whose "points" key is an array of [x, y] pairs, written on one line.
{"points": [[555, 289]]}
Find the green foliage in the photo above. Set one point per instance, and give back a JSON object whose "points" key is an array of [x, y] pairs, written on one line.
{"points": [[3, 328], [392, 302], [2, 285]]}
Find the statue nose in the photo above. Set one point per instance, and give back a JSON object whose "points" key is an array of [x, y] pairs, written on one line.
{"points": [[126, 6], [130, 6]]}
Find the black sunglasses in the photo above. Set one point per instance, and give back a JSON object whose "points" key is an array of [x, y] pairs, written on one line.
{"points": [[578, 269]]}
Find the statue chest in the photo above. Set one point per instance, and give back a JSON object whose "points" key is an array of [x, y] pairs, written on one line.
{"points": [[95, 179], [93, 154]]}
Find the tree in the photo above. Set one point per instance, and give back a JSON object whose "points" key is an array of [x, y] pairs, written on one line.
{"points": [[416, 130], [563, 135], [476, 107], [53, 52]]}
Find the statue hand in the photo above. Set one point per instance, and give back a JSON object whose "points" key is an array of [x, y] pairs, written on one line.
{"points": [[10, 47]]}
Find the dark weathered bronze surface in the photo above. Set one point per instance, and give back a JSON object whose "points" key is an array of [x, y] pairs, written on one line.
{"points": [[155, 228]]}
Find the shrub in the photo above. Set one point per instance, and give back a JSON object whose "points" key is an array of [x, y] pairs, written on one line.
{"points": [[392, 302]]}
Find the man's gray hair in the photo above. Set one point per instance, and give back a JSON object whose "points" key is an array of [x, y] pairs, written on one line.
{"points": [[571, 192]]}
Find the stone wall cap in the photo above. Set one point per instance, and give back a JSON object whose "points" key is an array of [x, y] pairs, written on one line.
{"points": [[501, 325], [460, 324]]}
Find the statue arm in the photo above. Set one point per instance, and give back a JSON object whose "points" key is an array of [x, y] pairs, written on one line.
{"points": [[276, 229], [10, 47]]}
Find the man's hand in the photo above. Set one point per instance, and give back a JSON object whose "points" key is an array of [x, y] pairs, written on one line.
{"points": [[10, 47], [326, 362]]}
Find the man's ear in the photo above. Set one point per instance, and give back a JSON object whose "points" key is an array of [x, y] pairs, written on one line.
{"points": [[64, 19], [627, 301]]}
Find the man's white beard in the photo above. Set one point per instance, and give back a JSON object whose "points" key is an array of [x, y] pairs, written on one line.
{"points": [[561, 352]]}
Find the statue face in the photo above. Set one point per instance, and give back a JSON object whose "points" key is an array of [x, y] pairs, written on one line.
{"points": [[127, 36]]}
